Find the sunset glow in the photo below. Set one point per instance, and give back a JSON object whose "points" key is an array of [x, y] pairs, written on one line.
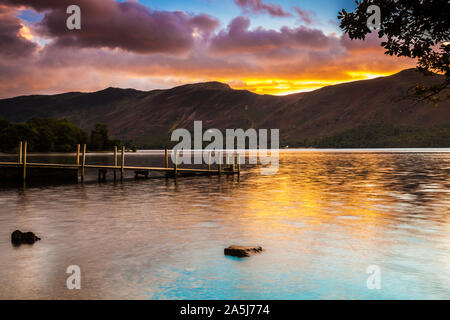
{"points": [[271, 49], [25, 32], [284, 86]]}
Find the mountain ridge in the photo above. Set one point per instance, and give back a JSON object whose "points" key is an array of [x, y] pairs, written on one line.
{"points": [[147, 117]]}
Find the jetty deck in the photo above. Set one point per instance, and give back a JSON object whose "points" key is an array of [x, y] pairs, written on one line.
{"points": [[25, 171]]}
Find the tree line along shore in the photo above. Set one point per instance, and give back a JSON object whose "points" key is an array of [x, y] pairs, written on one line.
{"points": [[50, 135]]}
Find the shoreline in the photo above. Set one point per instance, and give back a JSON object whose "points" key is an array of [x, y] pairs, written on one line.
{"points": [[250, 150]]}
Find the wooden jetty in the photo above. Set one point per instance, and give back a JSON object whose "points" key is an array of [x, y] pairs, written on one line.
{"points": [[22, 170]]}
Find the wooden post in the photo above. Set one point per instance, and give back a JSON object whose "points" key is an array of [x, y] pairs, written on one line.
{"points": [[115, 162], [234, 162], [123, 162], [220, 163], [24, 161], [239, 164], [20, 151], [83, 163], [176, 163], [102, 175], [78, 155], [166, 153], [209, 161]]}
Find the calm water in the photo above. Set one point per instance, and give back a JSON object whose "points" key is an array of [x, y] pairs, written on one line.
{"points": [[323, 219]]}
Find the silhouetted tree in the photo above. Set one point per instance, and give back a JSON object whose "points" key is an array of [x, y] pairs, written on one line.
{"points": [[99, 137], [418, 29], [43, 135], [3, 123]]}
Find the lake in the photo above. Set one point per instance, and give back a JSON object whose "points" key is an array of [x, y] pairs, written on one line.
{"points": [[323, 219]]}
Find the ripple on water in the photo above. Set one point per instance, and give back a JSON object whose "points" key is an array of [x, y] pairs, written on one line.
{"points": [[322, 220]]}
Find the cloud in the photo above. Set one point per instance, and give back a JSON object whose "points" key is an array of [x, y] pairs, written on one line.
{"points": [[205, 22], [238, 38], [129, 26], [305, 16], [129, 45], [258, 6], [371, 44], [12, 43], [60, 69]]}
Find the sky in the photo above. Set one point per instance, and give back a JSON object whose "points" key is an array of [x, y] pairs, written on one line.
{"points": [[265, 46]]}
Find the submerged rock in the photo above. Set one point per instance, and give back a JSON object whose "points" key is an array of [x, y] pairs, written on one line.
{"points": [[241, 251], [18, 237]]}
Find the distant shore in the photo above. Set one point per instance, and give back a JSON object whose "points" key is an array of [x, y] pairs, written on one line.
{"points": [[280, 150]]}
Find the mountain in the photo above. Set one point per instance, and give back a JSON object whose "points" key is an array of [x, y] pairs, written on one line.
{"points": [[311, 118]]}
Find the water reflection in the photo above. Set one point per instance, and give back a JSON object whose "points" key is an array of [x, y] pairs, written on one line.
{"points": [[323, 219]]}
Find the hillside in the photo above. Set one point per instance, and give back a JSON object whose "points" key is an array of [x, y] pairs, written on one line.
{"points": [[147, 118]]}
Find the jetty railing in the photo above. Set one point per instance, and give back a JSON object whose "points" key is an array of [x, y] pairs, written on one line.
{"points": [[8, 170]]}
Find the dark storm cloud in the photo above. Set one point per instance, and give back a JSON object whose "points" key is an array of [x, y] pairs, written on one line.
{"points": [[129, 26]]}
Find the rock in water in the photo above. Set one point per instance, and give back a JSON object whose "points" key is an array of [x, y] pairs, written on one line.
{"points": [[241, 252], [18, 237]]}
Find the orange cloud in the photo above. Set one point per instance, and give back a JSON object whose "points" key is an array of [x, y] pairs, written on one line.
{"points": [[291, 59]]}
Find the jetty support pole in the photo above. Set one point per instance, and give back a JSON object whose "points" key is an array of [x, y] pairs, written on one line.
{"points": [[20, 152], [122, 164], [175, 167], [83, 162], [239, 164], [115, 162], [78, 155], [24, 161], [209, 161], [166, 154], [234, 162]]}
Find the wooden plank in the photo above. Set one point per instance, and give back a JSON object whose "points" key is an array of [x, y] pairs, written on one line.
{"points": [[87, 166], [10, 164]]}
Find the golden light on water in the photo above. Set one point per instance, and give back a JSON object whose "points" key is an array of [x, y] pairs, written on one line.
{"points": [[314, 197], [322, 220]]}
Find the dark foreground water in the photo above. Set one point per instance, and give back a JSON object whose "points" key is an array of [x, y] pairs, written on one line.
{"points": [[322, 220]]}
